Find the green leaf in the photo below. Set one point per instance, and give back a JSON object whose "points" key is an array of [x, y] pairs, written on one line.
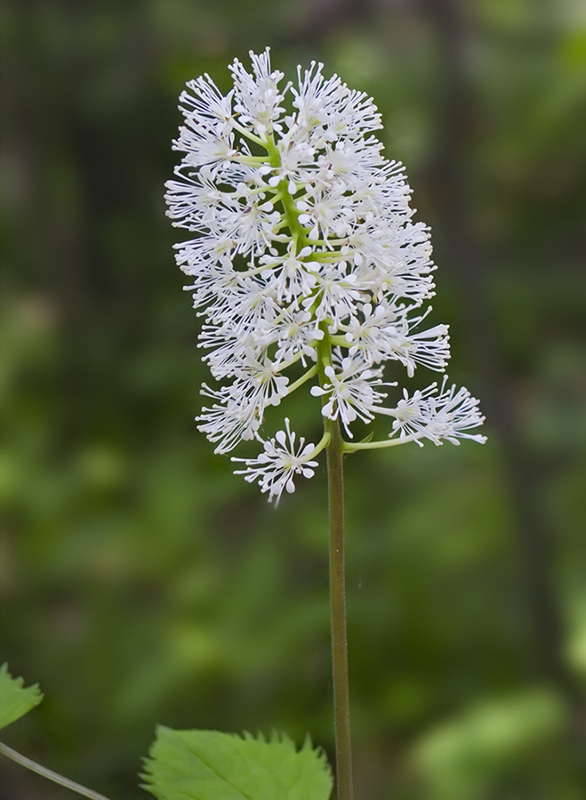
{"points": [[209, 765], [15, 700]]}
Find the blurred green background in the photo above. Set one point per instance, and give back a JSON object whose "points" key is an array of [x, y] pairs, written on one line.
{"points": [[141, 581]]}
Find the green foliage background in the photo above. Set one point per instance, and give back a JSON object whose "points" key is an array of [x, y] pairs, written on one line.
{"points": [[141, 581]]}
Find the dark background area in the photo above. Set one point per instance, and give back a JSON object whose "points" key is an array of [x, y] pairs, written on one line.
{"points": [[143, 583]]}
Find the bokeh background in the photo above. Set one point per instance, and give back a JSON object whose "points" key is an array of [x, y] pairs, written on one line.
{"points": [[141, 581]]}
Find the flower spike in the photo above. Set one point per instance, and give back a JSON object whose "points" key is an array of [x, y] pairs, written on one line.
{"points": [[307, 266]]}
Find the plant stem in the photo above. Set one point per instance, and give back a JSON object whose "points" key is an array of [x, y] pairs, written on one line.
{"points": [[338, 612], [49, 774]]}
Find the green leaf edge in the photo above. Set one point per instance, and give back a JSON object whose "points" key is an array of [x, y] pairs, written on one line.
{"points": [[279, 737], [15, 699]]}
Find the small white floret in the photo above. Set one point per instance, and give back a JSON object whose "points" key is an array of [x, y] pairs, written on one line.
{"points": [[275, 468]]}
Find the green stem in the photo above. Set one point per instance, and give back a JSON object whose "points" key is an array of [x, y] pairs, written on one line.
{"points": [[341, 341], [321, 445], [245, 132], [350, 447], [49, 774], [331, 255], [309, 374], [335, 457]]}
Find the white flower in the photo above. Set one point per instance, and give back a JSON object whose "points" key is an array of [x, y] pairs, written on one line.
{"points": [[232, 420], [434, 415], [387, 334], [327, 109], [290, 276], [279, 462], [306, 264], [257, 97], [455, 412], [351, 392]]}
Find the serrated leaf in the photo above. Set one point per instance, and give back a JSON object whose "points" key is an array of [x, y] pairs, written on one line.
{"points": [[209, 765], [15, 700]]}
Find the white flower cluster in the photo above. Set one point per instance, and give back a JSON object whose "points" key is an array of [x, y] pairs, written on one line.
{"points": [[307, 265]]}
